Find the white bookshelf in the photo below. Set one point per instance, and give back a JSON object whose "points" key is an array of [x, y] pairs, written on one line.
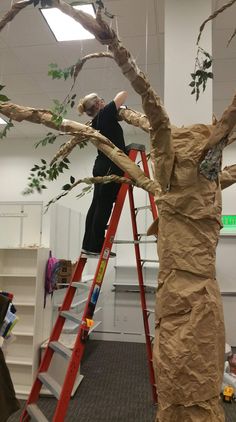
{"points": [[22, 272]]}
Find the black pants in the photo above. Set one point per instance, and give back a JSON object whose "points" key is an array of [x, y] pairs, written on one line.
{"points": [[100, 209]]}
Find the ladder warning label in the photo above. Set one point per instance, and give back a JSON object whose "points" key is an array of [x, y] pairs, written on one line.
{"points": [[95, 294], [106, 253], [101, 271]]}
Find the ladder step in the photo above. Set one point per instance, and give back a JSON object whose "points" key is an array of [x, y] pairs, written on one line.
{"points": [[71, 316], [51, 384], [60, 349], [150, 260], [35, 413], [134, 242], [145, 207], [151, 311]]}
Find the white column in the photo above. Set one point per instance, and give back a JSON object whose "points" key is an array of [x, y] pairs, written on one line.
{"points": [[182, 21]]}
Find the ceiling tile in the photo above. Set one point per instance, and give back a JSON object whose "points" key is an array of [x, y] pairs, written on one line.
{"points": [[28, 28]]}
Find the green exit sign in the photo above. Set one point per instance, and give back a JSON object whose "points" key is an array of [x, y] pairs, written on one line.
{"points": [[229, 222]]}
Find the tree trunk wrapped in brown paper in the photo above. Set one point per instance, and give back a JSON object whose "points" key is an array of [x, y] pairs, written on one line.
{"points": [[189, 338]]}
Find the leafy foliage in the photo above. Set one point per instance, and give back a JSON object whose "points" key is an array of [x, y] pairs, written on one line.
{"points": [[3, 98], [6, 129], [44, 173], [67, 188], [60, 109], [201, 72], [49, 139], [56, 73]]}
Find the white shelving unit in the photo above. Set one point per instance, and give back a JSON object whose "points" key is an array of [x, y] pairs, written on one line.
{"points": [[22, 273]]}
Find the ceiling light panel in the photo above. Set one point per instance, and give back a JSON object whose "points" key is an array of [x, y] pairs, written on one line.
{"points": [[66, 28]]}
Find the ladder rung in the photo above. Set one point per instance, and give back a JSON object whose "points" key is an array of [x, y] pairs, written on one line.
{"points": [[144, 207], [145, 234], [97, 323], [71, 316], [135, 242], [35, 413], [151, 311], [151, 336], [95, 256], [73, 305], [60, 349], [150, 286], [50, 383], [150, 260]]}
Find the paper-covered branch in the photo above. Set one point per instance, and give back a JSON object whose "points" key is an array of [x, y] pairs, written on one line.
{"points": [[42, 116], [228, 176], [90, 181], [15, 9], [210, 165], [162, 152], [213, 16]]}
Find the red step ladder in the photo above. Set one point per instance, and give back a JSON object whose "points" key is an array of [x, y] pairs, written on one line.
{"points": [[74, 357]]}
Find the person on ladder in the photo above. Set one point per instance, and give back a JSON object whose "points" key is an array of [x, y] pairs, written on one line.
{"points": [[104, 119]]}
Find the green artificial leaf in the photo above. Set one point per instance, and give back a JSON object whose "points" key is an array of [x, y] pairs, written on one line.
{"points": [[6, 129], [66, 187], [1, 87], [72, 180], [200, 75], [4, 98]]}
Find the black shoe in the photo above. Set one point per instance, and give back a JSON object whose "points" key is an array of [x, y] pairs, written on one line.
{"points": [[96, 254], [90, 253]]}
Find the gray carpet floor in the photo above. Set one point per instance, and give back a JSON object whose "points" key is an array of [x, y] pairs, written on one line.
{"points": [[115, 387]]}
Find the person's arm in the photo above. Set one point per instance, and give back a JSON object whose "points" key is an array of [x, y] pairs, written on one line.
{"points": [[120, 98]]}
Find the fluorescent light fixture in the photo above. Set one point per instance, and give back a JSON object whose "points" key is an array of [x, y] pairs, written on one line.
{"points": [[2, 122], [66, 28]]}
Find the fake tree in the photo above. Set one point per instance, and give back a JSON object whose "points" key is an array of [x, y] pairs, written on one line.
{"points": [[187, 182]]}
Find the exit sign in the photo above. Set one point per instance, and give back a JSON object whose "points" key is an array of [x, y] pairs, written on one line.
{"points": [[229, 223]]}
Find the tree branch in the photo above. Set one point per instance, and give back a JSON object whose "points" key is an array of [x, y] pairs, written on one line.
{"points": [[161, 151], [134, 118], [213, 16], [84, 59], [42, 116], [16, 8], [223, 127], [228, 176]]}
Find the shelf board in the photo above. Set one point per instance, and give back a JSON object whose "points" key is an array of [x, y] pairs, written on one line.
{"points": [[229, 233], [23, 333], [21, 303], [20, 248], [19, 275], [22, 390], [19, 361]]}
